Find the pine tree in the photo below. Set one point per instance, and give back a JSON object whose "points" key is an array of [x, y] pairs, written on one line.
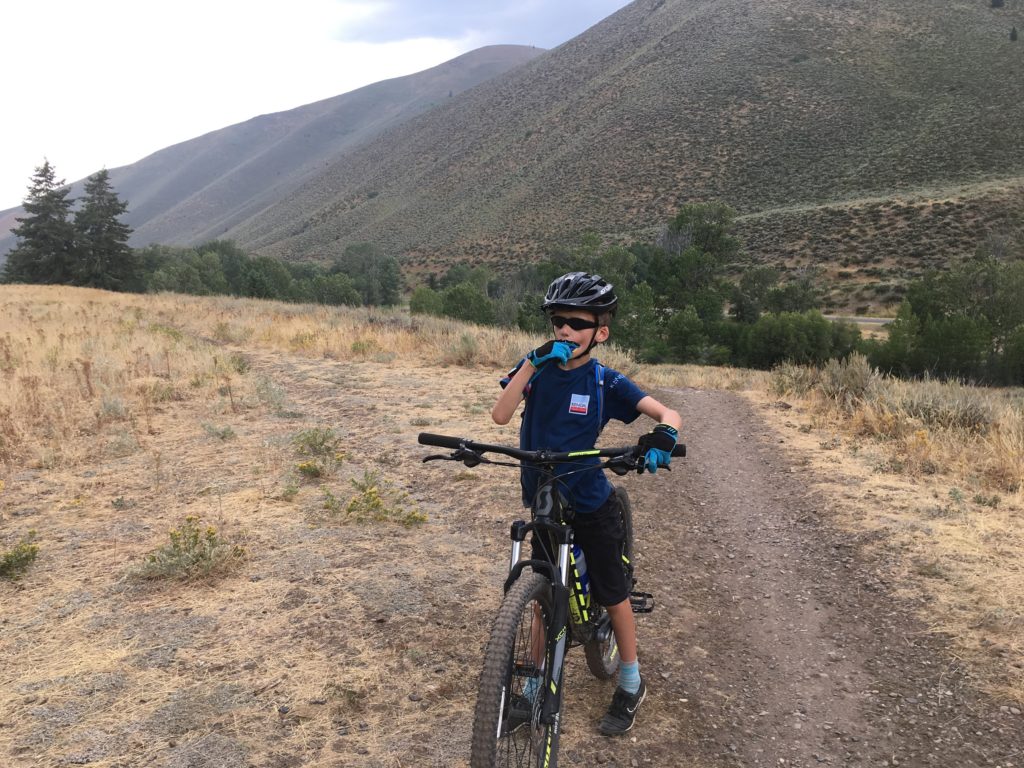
{"points": [[101, 245], [45, 249]]}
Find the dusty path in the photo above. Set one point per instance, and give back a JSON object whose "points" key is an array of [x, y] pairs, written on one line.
{"points": [[778, 640]]}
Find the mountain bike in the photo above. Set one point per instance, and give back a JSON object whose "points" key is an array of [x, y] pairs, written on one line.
{"points": [[546, 609]]}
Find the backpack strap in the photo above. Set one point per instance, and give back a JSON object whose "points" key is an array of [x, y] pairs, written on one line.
{"points": [[599, 376]]}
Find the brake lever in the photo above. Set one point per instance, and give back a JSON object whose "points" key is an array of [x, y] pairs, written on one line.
{"points": [[438, 457], [620, 465]]}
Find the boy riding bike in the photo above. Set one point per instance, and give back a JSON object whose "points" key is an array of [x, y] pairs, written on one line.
{"points": [[569, 398]]}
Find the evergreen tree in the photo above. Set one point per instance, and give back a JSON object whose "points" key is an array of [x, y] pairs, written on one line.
{"points": [[45, 249], [104, 258]]}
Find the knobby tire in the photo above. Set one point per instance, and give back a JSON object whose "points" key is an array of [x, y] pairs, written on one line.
{"points": [[508, 649]]}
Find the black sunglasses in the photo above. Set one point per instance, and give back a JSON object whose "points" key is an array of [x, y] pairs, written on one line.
{"points": [[576, 323]]}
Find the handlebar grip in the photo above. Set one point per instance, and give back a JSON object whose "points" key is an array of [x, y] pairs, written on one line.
{"points": [[442, 441], [679, 450]]}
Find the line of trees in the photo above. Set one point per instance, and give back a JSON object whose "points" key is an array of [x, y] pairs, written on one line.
{"points": [[361, 275], [677, 301], [678, 304], [964, 323], [88, 246]]}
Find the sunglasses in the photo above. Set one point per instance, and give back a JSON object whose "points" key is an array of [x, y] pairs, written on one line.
{"points": [[576, 323]]}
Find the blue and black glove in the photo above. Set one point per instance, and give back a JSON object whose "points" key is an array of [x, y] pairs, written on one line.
{"points": [[656, 447], [559, 351]]}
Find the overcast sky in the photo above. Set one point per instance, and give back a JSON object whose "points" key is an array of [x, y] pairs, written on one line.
{"points": [[90, 84]]}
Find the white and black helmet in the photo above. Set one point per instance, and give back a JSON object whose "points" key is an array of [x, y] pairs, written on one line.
{"points": [[578, 290]]}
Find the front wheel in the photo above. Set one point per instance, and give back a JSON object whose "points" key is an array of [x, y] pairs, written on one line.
{"points": [[506, 722], [602, 651]]}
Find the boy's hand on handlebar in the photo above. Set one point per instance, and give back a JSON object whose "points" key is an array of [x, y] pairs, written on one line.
{"points": [[656, 447], [551, 350]]}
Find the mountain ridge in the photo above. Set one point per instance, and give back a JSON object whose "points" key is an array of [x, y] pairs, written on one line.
{"points": [[193, 191]]}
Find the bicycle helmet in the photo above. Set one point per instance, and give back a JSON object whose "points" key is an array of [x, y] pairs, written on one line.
{"points": [[578, 290]]}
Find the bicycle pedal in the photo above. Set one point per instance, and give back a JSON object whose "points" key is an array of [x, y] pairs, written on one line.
{"points": [[641, 602]]}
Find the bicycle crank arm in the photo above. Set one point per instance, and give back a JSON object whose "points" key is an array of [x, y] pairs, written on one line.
{"points": [[641, 602]]}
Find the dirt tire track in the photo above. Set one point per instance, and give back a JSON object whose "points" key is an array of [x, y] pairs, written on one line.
{"points": [[777, 639]]}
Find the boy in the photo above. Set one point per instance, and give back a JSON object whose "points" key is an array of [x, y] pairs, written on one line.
{"points": [[565, 411]]}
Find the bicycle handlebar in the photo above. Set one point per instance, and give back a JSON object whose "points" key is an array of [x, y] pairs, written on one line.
{"points": [[534, 457]]}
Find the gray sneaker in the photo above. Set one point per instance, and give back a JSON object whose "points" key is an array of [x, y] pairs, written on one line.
{"points": [[622, 712]]}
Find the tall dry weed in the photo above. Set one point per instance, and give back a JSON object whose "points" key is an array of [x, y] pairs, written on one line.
{"points": [[699, 376], [848, 383], [73, 360], [973, 434]]}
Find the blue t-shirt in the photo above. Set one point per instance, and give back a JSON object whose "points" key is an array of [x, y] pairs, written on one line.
{"points": [[565, 412]]}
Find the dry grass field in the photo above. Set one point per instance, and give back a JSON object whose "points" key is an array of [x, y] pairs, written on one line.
{"points": [[240, 560]]}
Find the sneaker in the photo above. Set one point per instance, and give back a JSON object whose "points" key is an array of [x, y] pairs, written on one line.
{"points": [[622, 712]]}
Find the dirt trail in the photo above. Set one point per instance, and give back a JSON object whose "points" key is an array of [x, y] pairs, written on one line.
{"points": [[776, 639]]}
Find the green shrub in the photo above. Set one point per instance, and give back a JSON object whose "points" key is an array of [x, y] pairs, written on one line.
{"points": [[790, 336], [271, 395], [193, 552], [317, 441], [239, 363], [221, 433], [792, 379], [425, 301], [15, 561], [377, 500], [949, 406], [464, 351], [467, 302]]}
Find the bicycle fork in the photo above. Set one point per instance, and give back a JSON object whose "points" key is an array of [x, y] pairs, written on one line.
{"points": [[556, 643]]}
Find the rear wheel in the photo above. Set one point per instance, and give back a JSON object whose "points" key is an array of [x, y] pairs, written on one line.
{"points": [[506, 723], [602, 651]]}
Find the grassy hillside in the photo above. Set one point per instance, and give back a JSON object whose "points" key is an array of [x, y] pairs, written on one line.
{"points": [[768, 106], [869, 249]]}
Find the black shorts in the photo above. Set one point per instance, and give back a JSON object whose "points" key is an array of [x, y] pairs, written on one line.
{"points": [[601, 536]]}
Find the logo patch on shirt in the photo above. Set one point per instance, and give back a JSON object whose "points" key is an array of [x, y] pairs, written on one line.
{"points": [[579, 404]]}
